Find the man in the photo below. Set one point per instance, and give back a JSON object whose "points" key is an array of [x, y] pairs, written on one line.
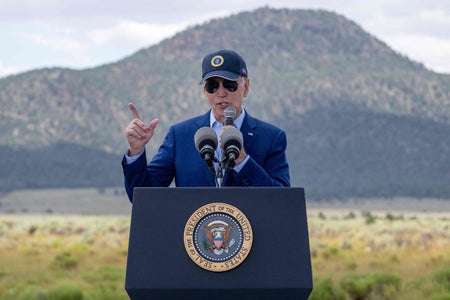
{"points": [[262, 159]]}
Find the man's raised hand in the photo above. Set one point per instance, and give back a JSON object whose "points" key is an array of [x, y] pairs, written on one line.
{"points": [[138, 135]]}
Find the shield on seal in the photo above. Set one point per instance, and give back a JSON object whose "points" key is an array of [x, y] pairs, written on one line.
{"points": [[218, 241], [218, 232]]}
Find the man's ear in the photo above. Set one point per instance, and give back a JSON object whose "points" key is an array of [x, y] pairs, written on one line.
{"points": [[247, 87]]}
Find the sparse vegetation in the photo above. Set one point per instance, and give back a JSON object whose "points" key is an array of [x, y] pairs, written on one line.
{"points": [[63, 257], [380, 259], [84, 257]]}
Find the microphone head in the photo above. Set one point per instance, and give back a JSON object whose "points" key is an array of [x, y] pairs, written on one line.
{"points": [[229, 113], [231, 137], [205, 136]]}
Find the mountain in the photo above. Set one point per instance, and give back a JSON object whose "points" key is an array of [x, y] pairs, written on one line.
{"points": [[58, 165], [361, 119]]}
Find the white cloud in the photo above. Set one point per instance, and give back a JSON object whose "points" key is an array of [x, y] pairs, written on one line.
{"points": [[53, 37], [436, 15], [131, 34], [432, 51], [58, 43], [70, 46], [87, 33], [8, 70]]}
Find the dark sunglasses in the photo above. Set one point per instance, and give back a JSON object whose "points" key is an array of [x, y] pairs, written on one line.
{"points": [[212, 85]]}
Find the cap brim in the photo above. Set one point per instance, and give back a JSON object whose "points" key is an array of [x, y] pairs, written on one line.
{"points": [[222, 74]]}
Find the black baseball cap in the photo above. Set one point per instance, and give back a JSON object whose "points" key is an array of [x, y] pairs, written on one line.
{"points": [[226, 64]]}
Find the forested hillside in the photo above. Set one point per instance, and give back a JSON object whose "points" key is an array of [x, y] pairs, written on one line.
{"points": [[361, 119]]}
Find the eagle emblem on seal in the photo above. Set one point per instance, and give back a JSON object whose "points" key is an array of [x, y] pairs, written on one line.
{"points": [[218, 235]]}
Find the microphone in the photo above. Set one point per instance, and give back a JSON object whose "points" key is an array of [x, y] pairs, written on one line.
{"points": [[229, 113], [205, 140], [231, 144]]}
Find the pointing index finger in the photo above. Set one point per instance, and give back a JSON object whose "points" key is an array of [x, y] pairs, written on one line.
{"points": [[134, 111]]}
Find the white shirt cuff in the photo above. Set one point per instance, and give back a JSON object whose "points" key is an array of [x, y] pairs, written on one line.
{"points": [[239, 167], [132, 159]]}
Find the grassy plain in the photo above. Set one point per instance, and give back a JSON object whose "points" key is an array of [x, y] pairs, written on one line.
{"points": [[74, 256], [412, 246], [60, 257]]}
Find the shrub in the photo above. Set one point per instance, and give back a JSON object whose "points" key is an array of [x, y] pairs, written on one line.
{"points": [[111, 273], [352, 265], [380, 285], [65, 292], [391, 217], [324, 289], [370, 219], [386, 285], [27, 293], [331, 251], [103, 293], [351, 215], [441, 296], [65, 260], [442, 278], [357, 287]]}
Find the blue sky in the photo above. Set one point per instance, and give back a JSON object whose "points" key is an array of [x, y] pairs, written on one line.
{"points": [[88, 33]]}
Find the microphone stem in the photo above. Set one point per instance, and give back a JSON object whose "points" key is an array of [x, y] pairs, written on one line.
{"points": [[219, 177], [229, 164]]}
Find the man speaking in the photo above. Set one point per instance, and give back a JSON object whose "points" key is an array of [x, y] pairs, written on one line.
{"points": [[247, 151]]}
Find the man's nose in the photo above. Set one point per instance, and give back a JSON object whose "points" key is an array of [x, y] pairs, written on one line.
{"points": [[221, 90]]}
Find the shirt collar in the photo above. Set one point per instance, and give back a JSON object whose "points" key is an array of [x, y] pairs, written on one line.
{"points": [[237, 122]]}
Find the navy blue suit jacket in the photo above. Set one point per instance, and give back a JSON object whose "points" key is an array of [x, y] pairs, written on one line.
{"points": [[178, 158]]}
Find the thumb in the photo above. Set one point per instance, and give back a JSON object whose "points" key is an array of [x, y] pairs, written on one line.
{"points": [[153, 124]]}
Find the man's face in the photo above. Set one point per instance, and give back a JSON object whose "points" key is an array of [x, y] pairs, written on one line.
{"points": [[220, 97]]}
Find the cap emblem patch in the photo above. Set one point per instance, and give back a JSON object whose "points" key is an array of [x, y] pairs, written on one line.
{"points": [[217, 61]]}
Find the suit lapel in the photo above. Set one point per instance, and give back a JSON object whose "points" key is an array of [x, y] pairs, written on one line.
{"points": [[203, 120], [248, 129]]}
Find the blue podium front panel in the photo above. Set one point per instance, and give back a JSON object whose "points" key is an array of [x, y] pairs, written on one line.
{"points": [[278, 265]]}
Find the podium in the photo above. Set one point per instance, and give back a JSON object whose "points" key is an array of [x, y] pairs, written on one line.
{"points": [[278, 264]]}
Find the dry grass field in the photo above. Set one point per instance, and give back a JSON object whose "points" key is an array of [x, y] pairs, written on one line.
{"points": [[357, 252], [63, 257], [406, 255]]}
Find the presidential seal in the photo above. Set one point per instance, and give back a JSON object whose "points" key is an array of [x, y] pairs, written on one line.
{"points": [[217, 61], [218, 237]]}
